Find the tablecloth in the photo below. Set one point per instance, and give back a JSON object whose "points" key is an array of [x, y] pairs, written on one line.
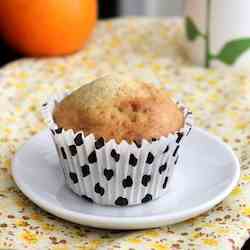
{"points": [[151, 50]]}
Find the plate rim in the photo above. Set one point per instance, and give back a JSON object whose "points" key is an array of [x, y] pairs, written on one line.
{"points": [[107, 222]]}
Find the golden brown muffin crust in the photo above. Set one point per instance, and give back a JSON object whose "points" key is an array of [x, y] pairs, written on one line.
{"points": [[119, 108]]}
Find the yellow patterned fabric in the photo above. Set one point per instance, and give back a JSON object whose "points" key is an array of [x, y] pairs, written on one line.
{"points": [[150, 50]]}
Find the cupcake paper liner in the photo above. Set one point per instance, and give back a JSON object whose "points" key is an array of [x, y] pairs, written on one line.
{"points": [[116, 174]]}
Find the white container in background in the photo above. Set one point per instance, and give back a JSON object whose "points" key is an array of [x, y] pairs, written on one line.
{"points": [[217, 31], [150, 7]]}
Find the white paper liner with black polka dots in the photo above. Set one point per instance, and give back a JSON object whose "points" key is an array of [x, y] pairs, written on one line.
{"points": [[115, 174]]}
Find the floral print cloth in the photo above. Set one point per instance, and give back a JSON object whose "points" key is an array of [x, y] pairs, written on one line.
{"points": [[150, 50]]}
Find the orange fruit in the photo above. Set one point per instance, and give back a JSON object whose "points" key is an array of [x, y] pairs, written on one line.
{"points": [[47, 27]]}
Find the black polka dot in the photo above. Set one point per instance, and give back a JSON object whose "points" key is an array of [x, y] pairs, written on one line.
{"points": [[147, 198], [128, 182], [63, 153], [99, 189], [166, 149], [45, 104], [108, 173], [78, 140], [115, 155], [85, 170], [52, 131], [72, 149], [162, 168], [58, 130], [138, 144], [120, 201], [189, 131], [145, 179], [99, 143], [132, 160], [179, 137], [92, 157], [176, 150], [87, 198], [176, 160], [73, 177], [150, 158], [165, 183]]}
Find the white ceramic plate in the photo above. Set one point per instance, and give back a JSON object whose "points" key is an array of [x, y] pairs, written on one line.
{"points": [[206, 173]]}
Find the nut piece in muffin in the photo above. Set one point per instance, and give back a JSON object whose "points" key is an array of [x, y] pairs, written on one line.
{"points": [[114, 107]]}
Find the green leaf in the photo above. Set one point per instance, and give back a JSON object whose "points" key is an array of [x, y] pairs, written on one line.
{"points": [[192, 31], [232, 50]]}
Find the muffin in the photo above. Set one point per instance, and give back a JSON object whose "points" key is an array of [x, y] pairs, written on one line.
{"points": [[120, 109], [117, 139]]}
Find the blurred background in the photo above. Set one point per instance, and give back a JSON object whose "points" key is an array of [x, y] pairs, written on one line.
{"points": [[142, 7], [116, 8]]}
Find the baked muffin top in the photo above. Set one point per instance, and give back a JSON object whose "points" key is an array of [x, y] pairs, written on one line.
{"points": [[119, 108]]}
